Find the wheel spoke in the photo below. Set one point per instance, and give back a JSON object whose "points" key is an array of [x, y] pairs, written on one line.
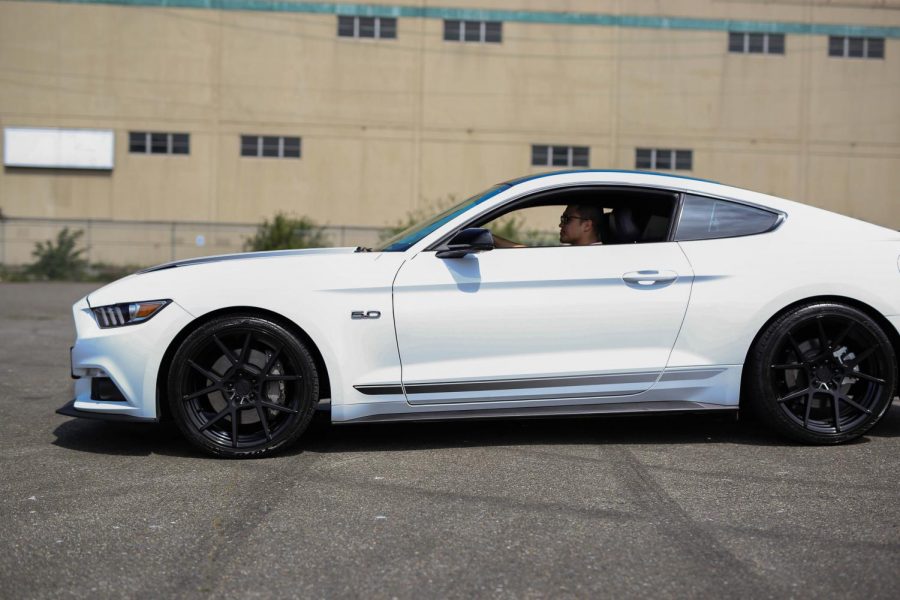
{"points": [[788, 367], [218, 416], [844, 333], [860, 375], [837, 412], [795, 346], [231, 357], [208, 374], [279, 407], [283, 378], [208, 390], [808, 408], [794, 395], [861, 357], [271, 362], [245, 350], [235, 423], [264, 420], [823, 339], [854, 404]]}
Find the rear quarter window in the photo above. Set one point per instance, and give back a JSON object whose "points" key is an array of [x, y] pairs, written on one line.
{"points": [[711, 218]]}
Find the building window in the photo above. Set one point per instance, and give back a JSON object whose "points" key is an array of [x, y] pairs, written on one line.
{"points": [[270, 146], [664, 159], [560, 156], [855, 47], [367, 27], [151, 142], [473, 31], [755, 43]]}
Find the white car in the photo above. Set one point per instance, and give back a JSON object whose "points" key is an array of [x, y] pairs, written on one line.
{"points": [[701, 297]]}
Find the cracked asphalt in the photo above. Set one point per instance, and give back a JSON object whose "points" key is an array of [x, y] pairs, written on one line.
{"points": [[668, 507]]}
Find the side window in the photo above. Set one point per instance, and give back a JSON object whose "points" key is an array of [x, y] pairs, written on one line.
{"points": [[709, 218]]}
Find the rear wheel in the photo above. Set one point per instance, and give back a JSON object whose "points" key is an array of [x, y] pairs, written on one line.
{"points": [[823, 373], [242, 386]]}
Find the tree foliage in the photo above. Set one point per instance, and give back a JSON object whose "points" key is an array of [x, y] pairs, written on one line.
{"points": [[60, 259], [286, 232]]}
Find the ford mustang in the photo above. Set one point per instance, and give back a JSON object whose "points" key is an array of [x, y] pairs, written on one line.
{"points": [[660, 294]]}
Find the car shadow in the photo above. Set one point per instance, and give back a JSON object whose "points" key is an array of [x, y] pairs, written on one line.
{"points": [[130, 439]]}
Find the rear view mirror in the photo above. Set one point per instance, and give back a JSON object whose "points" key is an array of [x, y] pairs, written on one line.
{"points": [[468, 241]]}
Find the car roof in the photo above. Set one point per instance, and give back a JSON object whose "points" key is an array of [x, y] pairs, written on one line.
{"points": [[518, 180]]}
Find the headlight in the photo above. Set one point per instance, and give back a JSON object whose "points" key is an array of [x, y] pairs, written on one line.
{"points": [[128, 313]]}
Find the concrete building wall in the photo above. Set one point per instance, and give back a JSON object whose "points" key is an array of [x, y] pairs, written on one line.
{"points": [[391, 125]]}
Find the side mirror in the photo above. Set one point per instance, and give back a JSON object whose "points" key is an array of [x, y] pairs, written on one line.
{"points": [[468, 241]]}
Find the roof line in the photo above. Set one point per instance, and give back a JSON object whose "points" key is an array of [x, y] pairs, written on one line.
{"points": [[520, 16], [519, 180]]}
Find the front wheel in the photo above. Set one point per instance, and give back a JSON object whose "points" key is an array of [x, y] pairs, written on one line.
{"points": [[823, 373], [242, 386]]}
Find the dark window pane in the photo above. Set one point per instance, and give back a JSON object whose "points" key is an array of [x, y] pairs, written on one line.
{"points": [[776, 43], [366, 27], [663, 159], [180, 143], [876, 47], [388, 27], [643, 158], [270, 146], [472, 31], [493, 31], [159, 143], [345, 26], [581, 156], [137, 141], [292, 147], [684, 160], [560, 156], [735, 42], [540, 156], [755, 44], [451, 30], [835, 46], [855, 47], [706, 218], [249, 145]]}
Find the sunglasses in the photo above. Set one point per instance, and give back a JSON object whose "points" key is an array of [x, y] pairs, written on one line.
{"points": [[564, 220]]}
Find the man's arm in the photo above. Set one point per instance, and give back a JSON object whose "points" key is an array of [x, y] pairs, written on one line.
{"points": [[501, 242]]}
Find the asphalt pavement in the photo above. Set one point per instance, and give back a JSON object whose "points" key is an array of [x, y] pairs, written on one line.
{"points": [[665, 507]]}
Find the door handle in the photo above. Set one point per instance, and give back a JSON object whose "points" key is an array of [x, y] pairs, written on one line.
{"points": [[649, 278]]}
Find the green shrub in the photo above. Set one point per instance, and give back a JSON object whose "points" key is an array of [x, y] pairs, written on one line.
{"points": [[59, 260], [285, 232]]}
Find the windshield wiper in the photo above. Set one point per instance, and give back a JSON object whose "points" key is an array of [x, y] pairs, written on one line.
{"points": [[362, 249]]}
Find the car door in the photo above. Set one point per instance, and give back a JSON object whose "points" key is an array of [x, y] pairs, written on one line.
{"points": [[539, 325]]}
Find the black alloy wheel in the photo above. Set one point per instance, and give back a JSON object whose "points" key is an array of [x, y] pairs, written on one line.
{"points": [[823, 373], [242, 386]]}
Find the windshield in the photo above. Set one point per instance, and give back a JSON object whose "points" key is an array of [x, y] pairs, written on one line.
{"points": [[406, 238]]}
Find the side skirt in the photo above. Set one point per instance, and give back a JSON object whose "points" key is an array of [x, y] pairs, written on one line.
{"points": [[368, 413]]}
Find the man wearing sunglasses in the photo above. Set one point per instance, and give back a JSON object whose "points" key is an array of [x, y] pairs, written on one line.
{"points": [[579, 225]]}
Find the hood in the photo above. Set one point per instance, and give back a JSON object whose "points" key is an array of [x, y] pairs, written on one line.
{"points": [[244, 256]]}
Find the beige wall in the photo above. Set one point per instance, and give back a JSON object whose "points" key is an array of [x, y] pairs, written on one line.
{"points": [[391, 125]]}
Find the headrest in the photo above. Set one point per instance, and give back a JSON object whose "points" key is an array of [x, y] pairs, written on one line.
{"points": [[623, 226]]}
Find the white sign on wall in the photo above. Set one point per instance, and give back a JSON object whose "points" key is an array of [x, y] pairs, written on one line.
{"points": [[58, 148]]}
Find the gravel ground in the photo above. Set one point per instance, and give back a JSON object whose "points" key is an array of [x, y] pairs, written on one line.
{"points": [[669, 507]]}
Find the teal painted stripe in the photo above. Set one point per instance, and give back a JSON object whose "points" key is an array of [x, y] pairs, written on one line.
{"points": [[515, 16]]}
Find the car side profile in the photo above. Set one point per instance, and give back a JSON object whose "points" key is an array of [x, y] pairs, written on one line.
{"points": [[699, 297]]}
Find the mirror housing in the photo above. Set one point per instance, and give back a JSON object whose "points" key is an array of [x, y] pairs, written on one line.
{"points": [[468, 241]]}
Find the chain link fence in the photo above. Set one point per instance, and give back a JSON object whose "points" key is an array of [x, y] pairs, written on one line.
{"points": [[143, 243]]}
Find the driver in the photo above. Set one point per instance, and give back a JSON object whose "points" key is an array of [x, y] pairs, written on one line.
{"points": [[579, 225]]}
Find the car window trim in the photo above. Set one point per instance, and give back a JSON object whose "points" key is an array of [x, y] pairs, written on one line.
{"points": [[780, 216], [511, 205]]}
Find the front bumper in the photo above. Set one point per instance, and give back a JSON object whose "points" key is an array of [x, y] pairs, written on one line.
{"points": [[130, 356]]}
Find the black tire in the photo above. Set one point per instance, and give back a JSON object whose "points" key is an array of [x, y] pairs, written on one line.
{"points": [[242, 386], [822, 373]]}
